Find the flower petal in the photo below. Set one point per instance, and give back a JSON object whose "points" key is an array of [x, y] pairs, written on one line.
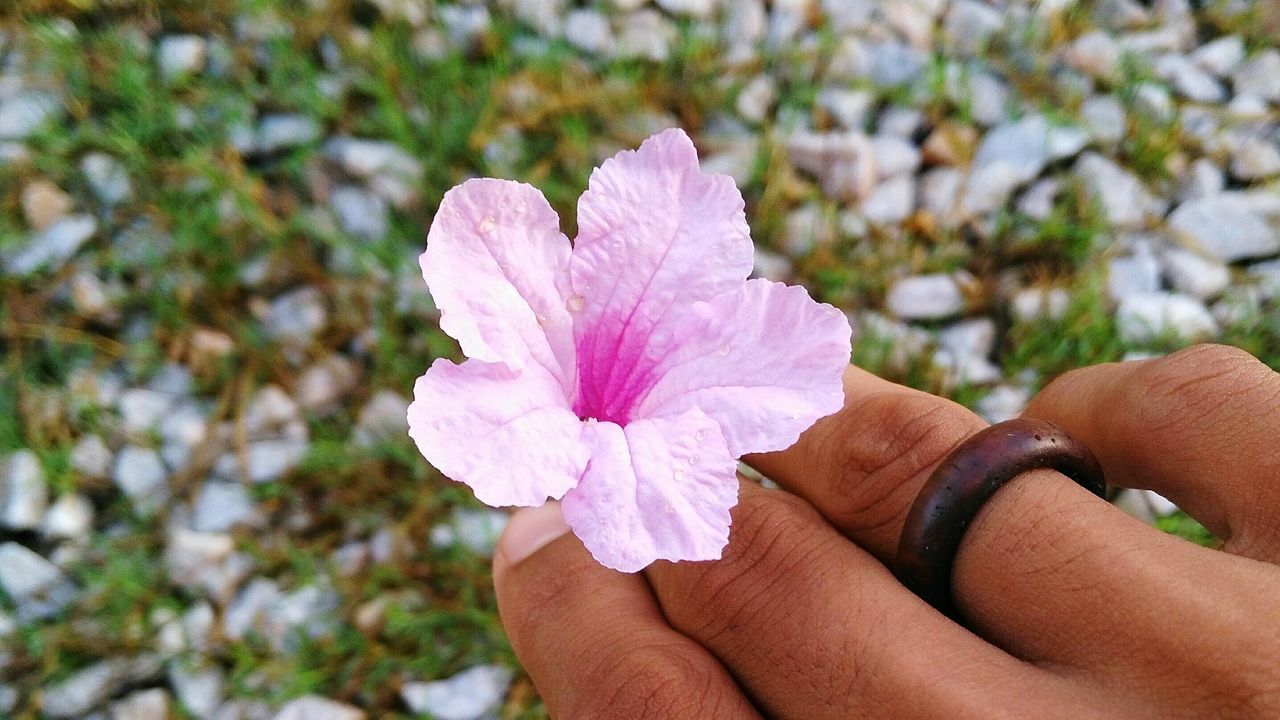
{"points": [[498, 269], [508, 434], [764, 362], [654, 234], [654, 490]]}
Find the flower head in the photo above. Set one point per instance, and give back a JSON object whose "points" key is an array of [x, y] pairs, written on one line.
{"points": [[625, 374]]}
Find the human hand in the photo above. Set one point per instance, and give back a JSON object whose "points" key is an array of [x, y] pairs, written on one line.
{"points": [[1073, 608]]}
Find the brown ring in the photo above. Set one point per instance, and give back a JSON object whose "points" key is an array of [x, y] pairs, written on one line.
{"points": [[965, 480]]}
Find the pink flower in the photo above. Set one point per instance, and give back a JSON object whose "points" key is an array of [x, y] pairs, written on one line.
{"points": [[626, 374]]}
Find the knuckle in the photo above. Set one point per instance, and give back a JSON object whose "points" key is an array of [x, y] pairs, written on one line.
{"points": [[1195, 381], [657, 681], [774, 542], [868, 486]]}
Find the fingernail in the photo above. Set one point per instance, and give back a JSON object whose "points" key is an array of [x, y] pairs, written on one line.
{"points": [[530, 529]]}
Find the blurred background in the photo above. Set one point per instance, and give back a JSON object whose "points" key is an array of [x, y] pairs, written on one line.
{"points": [[211, 315]]}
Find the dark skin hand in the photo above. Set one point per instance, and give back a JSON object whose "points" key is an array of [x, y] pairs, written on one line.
{"points": [[1070, 607]]}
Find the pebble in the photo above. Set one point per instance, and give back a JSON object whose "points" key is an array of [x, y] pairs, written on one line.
{"points": [[478, 530], [756, 98], [205, 562], [893, 63], [1004, 402], [178, 56], [142, 705], [645, 34], [1221, 55], [107, 178], [43, 204], [52, 247], [200, 689], [940, 195], [264, 460], [323, 384], [141, 409], [1122, 197], [1011, 155], [1035, 303], [285, 132], [69, 518], [1256, 158], [1202, 179], [891, 202], [1095, 54], [296, 316], [25, 112], [1194, 274], [36, 586], [925, 297], [850, 108], [1258, 76], [1136, 273], [314, 707], [470, 695], [23, 492], [382, 419], [843, 162], [92, 687], [1190, 80], [1144, 317], [360, 212], [1104, 116], [1226, 226], [589, 31], [223, 506], [141, 475], [969, 25]]}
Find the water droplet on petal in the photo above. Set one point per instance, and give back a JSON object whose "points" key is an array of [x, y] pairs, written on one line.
{"points": [[542, 321], [680, 474], [724, 350], [522, 206], [485, 226], [693, 459], [701, 435], [576, 303]]}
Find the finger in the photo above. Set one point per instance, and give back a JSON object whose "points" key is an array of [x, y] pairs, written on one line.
{"points": [[1046, 570], [1199, 427], [813, 627], [593, 640]]}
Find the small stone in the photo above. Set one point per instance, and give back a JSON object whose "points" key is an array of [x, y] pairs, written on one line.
{"points": [[314, 707], [93, 298], [1226, 226], [1190, 80], [91, 457], [969, 25], [371, 159], [1194, 274], [265, 460], [1095, 54], [756, 99], [850, 108], [478, 530], [1039, 200], [69, 518], [1255, 159], [894, 156], [940, 195], [200, 690], [383, 419], [92, 687], [925, 297], [1201, 179], [107, 178], [36, 586], [1259, 76], [43, 204], [964, 350], [24, 112], [140, 474], [472, 694], [950, 144], [360, 212], [806, 228], [141, 409], [588, 31], [691, 8], [843, 162], [1012, 154], [1104, 116], [51, 248], [1123, 198], [222, 506], [323, 384], [1136, 273], [142, 705], [180, 55], [1144, 317], [1220, 56], [205, 562], [1154, 101], [891, 202], [1034, 303], [296, 316], [645, 34], [900, 122], [23, 493], [893, 63], [287, 131], [1004, 402]]}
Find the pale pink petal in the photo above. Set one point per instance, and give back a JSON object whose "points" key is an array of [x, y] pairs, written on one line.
{"points": [[655, 235], [509, 434], [654, 490], [765, 362], [498, 269]]}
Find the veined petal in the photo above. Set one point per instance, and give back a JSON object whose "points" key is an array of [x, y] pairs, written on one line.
{"points": [[654, 235], [498, 269], [764, 362], [654, 490], [508, 434]]}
